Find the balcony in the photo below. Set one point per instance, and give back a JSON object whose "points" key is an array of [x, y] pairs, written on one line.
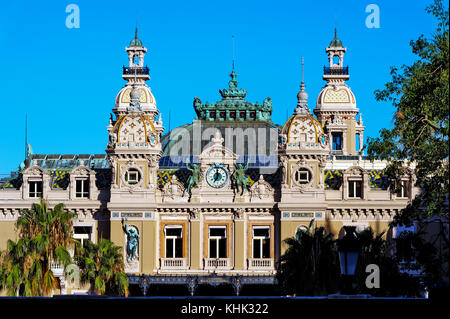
{"points": [[217, 263], [173, 263], [260, 264], [135, 70], [335, 70], [56, 268]]}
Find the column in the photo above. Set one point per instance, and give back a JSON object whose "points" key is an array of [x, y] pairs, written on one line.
{"points": [[158, 241]]}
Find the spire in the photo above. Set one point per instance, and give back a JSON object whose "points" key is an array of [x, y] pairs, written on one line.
{"points": [[232, 48], [302, 96], [336, 42], [136, 42]]}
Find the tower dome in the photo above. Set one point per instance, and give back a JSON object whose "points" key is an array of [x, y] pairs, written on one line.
{"points": [[302, 131], [136, 42], [336, 43]]}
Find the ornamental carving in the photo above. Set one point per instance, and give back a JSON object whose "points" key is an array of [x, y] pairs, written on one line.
{"points": [[131, 176], [261, 189], [173, 189]]}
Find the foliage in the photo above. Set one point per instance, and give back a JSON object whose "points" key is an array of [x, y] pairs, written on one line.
{"points": [[44, 236], [310, 265], [393, 282], [420, 95], [418, 254], [102, 266]]}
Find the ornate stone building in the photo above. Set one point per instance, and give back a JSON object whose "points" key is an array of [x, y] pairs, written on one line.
{"points": [[211, 201]]}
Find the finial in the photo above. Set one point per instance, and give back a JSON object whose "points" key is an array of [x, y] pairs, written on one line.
{"points": [[217, 139], [302, 96], [135, 99], [302, 71]]}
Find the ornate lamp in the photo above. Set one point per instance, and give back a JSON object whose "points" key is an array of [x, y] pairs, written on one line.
{"points": [[348, 248]]}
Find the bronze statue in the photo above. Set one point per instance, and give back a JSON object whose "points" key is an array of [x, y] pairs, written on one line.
{"points": [[239, 178], [194, 178]]}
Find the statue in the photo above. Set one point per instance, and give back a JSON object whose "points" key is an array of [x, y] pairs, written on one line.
{"points": [[283, 167], [132, 241], [197, 103], [194, 178], [239, 178], [268, 103]]}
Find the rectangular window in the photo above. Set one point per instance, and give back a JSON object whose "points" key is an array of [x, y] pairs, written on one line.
{"points": [[337, 141], [403, 192], [174, 241], [82, 188], [133, 177], [303, 176], [217, 242], [35, 188], [82, 233], [355, 189], [261, 242]]}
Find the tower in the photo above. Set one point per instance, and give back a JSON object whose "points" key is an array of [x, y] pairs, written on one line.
{"points": [[303, 151], [134, 146], [336, 105]]}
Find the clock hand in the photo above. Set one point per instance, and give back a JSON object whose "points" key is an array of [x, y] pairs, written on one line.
{"points": [[216, 175]]}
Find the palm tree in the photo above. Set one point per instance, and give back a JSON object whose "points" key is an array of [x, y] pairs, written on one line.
{"points": [[310, 264], [102, 266], [44, 236]]}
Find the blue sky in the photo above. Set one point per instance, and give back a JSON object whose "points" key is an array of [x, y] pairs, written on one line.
{"points": [[66, 80]]}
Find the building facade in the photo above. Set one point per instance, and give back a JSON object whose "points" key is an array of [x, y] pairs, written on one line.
{"points": [[211, 202]]}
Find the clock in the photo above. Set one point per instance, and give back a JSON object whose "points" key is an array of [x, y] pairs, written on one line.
{"points": [[217, 176]]}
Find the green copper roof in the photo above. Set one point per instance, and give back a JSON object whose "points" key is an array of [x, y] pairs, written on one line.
{"points": [[136, 42], [233, 106], [336, 42]]}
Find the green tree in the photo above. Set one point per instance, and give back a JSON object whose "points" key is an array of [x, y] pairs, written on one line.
{"points": [[102, 267], [310, 264], [44, 237], [393, 283], [420, 95]]}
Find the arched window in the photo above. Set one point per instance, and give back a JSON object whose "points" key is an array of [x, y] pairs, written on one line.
{"points": [[336, 60], [136, 60]]}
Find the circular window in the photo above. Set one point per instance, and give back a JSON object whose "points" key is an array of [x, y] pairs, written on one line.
{"points": [[132, 176], [302, 176]]}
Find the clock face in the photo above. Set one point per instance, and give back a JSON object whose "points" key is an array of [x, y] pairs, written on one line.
{"points": [[217, 176]]}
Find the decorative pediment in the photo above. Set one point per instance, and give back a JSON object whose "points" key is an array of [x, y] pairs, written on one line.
{"points": [[355, 170], [217, 153], [34, 170], [81, 171], [261, 190], [173, 190]]}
